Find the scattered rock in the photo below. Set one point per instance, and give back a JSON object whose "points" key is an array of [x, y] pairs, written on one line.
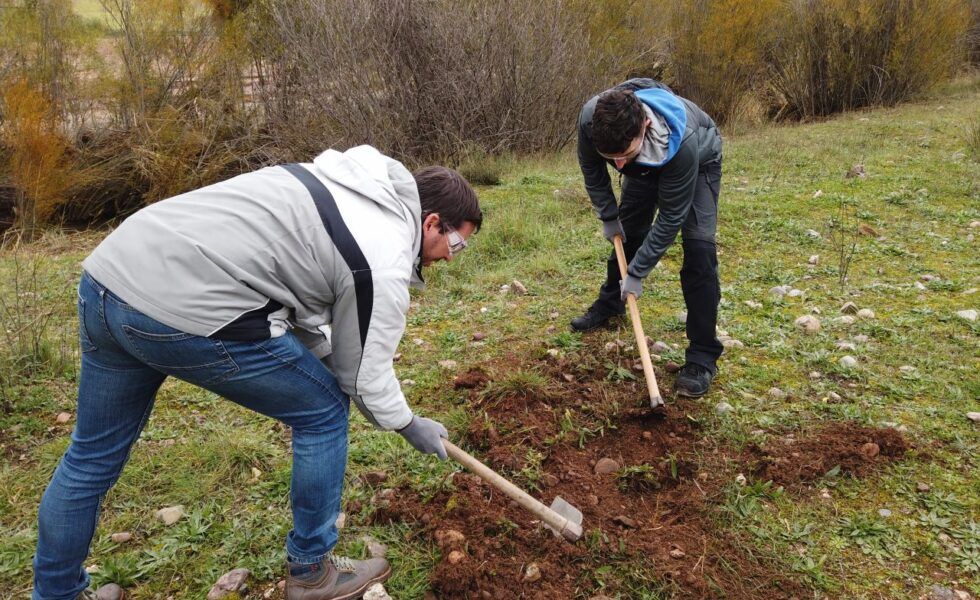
{"points": [[592, 500], [376, 592], [568, 377], [741, 479], [833, 396], [919, 286], [62, 418], [341, 521], [866, 313], [779, 290], [753, 304], [818, 193], [448, 364], [549, 480], [815, 375], [776, 394], [825, 494], [808, 323], [504, 289], [974, 224], [846, 320], [375, 548], [611, 347], [455, 557], [606, 466], [922, 487], [231, 582], [397, 357], [682, 317], [723, 408], [660, 347], [677, 553], [938, 592], [170, 514], [849, 308], [794, 293], [418, 341], [861, 339], [625, 521], [518, 288], [907, 369], [969, 315], [121, 538], [672, 367], [814, 259], [847, 361], [856, 171], [973, 416], [647, 435], [554, 352], [730, 343], [870, 450], [479, 336], [532, 573], [110, 591], [884, 512], [813, 233], [929, 277], [374, 478], [848, 346], [407, 382], [448, 538]]}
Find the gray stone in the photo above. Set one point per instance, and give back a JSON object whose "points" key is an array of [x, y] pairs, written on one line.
{"points": [[846, 346], [518, 288], [846, 320], [532, 573], [776, 394], [62, 418], [170, 514], [973, 416], [849, 308], [866, 313], [968, 315], [730, 343], [808, 323], [682, 317], [938, 592], [376, 592], [814, 259], [723, 408], [232, 581], [121, 538], [848, 361], [794, 293], [660, 347], [110, 591], [813, 233], [779, 290]]}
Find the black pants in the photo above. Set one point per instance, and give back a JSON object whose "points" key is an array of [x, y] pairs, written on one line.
{"points": [[699, 274]]}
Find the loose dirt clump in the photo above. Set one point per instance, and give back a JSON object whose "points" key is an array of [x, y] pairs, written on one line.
{"points": [[649, 522], [471, 379], [853, 450]]}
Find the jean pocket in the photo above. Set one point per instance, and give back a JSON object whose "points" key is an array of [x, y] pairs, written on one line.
{"points": [[193, 358], [84, 340]]}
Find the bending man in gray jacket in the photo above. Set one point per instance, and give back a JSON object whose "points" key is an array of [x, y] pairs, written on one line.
{"points": [[284, 290], [668, 152]]}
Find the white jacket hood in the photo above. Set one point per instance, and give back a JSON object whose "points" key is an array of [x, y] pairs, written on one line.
{"points": [[384, 180]]}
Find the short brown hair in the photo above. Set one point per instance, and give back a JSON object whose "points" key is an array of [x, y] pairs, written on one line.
{"points": [[617, 121], [444, 191]]}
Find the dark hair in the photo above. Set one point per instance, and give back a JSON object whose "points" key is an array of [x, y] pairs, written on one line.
{"points": [[617, 121], [444, 191]]}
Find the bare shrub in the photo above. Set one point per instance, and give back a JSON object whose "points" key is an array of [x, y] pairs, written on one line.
{"points": [[835, 55], [420, 80]]}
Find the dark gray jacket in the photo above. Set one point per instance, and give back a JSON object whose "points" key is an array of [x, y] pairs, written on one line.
{"points": [[676, 177]]}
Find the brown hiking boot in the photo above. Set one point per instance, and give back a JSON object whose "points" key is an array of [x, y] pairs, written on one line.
{"points": [[335, 578]]}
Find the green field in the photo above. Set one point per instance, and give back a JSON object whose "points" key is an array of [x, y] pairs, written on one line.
{"points": [[906, 526]]}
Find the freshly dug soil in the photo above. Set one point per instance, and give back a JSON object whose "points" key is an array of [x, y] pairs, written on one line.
{"points": [[653, 518], [854, 450]]}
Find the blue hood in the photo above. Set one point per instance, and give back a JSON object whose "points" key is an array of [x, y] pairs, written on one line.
{"points": [[674, 113]]}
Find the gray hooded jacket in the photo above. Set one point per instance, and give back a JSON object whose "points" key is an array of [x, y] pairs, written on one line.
{"points": [[209, 260]]}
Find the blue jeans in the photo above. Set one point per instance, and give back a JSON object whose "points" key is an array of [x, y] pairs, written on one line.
{"points": [[126, 356]]}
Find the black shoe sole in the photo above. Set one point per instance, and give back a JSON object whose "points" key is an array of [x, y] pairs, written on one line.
{"points": [[688, 394], [607, 324]]}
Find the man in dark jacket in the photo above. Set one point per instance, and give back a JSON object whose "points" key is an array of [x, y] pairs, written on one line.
{"points": [[668, 152]]}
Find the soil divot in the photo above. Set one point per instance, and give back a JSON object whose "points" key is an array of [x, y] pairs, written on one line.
{"points": [[654, 513], [853, 450]]}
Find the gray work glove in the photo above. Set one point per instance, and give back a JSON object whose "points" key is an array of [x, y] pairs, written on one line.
{"points": [[630, 285], [425, 435], [611, 228]]}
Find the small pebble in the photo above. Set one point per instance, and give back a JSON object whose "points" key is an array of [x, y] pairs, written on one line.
{"points": [[922, 487], [884, 512], [849, 308], [968, 315], [532, 573], [723, 408], [121, 538], [62, 418], [814, 259], [606, 466], [848, 361], [776, 393], [866, 313], [973, 416], [741, 479], [808, 323], [677, 553]]}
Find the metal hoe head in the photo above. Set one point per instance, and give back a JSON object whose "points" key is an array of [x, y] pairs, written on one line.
{"points": [[572, 529]]}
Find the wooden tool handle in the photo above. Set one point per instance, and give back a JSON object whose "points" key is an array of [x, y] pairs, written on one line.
{"points": [[641, 339], [568, 529]]}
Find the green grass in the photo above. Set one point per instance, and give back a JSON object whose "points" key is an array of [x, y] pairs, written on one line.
{"points": [[921, 192]]}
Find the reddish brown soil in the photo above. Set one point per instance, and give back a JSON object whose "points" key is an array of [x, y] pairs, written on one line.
{"points": [[654, 522], [853, 449]]}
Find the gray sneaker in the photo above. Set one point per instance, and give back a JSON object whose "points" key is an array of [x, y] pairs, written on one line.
{"points": [[335, 578]]}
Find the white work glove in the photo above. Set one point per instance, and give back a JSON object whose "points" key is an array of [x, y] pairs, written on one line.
{"points": [[630, 285], [611, 228], [425, 435]]}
